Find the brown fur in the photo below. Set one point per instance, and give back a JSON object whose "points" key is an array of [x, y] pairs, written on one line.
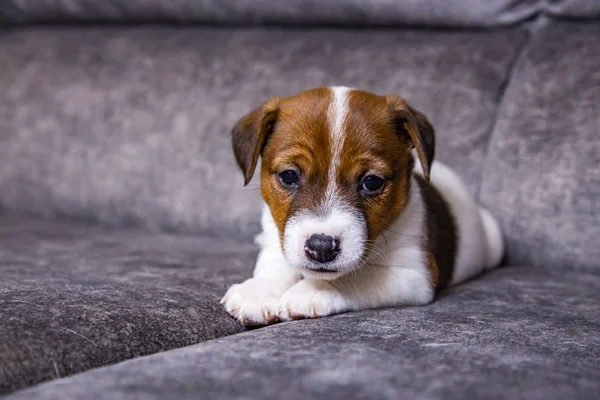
{"points": [[373, 146], [442, 235], [421, 133], [300, 141], [293, 133], [250, 135]]}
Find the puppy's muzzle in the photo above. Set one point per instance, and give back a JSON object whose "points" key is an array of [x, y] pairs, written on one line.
{"points": [[322, 248]]}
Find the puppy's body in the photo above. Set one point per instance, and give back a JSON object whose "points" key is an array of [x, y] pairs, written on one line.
{"points": [[330, 243]]}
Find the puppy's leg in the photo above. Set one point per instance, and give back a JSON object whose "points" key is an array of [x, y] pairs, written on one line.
{"points": [[372, 286], [255, 301]]}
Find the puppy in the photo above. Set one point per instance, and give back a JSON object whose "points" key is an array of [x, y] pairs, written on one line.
{"points": [[349, 222]]}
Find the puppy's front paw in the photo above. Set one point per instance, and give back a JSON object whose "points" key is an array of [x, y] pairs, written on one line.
{"points": [[311, 299], [252, 302]]}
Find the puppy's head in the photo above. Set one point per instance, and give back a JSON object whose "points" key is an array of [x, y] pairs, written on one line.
{"points": [[336, 167]]}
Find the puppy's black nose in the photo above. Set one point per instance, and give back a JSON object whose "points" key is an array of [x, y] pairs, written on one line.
{"points": [[322, 248]]}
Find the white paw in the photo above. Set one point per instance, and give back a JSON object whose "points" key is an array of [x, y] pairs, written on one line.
{"points": [[253, 302], [311, 299]]}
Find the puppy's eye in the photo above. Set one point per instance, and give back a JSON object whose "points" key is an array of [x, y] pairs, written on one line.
{"points": [[372, 184], [289, 178]]}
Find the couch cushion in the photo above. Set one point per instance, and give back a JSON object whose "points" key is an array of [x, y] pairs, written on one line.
{"points": [[347, 12], [574, 8], [542, 175], [131, 126], [522, 333], [73, 297]]}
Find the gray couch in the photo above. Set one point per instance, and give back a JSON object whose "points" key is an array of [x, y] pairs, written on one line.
{"points": [[123, 218]]}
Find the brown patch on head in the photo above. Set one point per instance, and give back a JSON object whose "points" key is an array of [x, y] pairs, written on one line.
{"points": [[300, 142], [377, 134], [380, 132], [373, 146]]}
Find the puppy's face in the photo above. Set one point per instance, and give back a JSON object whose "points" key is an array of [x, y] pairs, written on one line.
{"points": [[336, 166]]}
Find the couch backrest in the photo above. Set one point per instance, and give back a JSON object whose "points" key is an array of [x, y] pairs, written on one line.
{"points": [[132, 125], [542, 174], [573, 8], [449, 13], [296, 12]]}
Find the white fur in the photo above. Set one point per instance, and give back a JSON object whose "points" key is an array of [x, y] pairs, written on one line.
{"points": [[480, 243], [256, 301], [338, 221], [493, 235], [336, 117], [333, 217], [396, 272]]}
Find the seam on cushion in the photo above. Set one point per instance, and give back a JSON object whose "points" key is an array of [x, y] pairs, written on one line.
{"points": [[511, 72]]}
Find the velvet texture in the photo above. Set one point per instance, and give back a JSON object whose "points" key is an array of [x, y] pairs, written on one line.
{"points": [[131, 126], [542, 174], [289, 12], [520, 332], [74, 297]]}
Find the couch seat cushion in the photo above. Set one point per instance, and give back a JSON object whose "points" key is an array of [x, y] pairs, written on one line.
{"points": [[518, 332], [73, 297]]}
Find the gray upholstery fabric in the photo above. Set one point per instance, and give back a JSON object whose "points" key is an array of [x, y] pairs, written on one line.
{"points": [[542, 175], [526, 333], [575, 8], [372, 12], [74, 297], [131, 126]]}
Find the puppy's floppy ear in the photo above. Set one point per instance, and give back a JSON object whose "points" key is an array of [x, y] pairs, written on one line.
{"points": [[250, 135], [410, 121]]}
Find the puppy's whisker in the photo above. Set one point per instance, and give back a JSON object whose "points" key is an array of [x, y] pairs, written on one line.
{"points": [[402, 255], [393, 266], [407, 259], [379, 256], [374, 247], [377, 252], [402, 234]]}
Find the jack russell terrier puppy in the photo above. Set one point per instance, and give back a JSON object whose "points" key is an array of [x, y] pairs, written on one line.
{"points": [[347, 224]]}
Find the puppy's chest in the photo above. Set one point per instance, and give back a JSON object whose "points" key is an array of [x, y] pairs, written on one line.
{"points": [[425, 235], [441, 234]]}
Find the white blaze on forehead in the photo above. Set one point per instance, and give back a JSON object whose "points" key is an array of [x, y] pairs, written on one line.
{"points": [[336, 117], [335, 218]]}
